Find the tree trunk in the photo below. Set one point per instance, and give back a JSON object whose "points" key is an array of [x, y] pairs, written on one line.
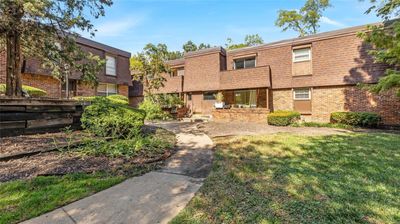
{"points": [[13, 44], [13, 75]]}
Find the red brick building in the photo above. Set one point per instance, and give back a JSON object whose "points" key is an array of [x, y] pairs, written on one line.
{"points": [[114, 79], [315, 75]]}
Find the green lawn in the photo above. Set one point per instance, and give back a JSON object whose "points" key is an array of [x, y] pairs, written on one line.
{"points": [[286, 178]]}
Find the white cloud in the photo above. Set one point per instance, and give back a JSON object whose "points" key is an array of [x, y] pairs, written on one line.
{"points": [[332, 22], [118, 27]]}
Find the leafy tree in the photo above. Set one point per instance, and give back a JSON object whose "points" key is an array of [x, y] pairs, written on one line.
{"points": [[189, 46], [385, 38], [204, 46], [249, 40], [172, 55], [45, 29], [149, 65], [304, 21]]}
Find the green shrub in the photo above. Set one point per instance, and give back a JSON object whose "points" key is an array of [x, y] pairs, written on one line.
{"points": [[362, 119], [120, 99], [116, 99], [32, 91], [283, 118], [148, 145], [166, 100], [84, 98], [105, 118], [153, 110]]}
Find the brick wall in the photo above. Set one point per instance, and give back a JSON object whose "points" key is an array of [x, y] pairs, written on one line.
{"points": [[44, 82], [172, 84], [237, 114], [123, 90], [245, 78], [202, 72], [336, 61], [326, 100], [282, 99]]}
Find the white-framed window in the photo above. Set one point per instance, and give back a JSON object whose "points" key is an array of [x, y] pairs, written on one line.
{"points": [[111, 65], [106, 89], [241, 63], [302, 94], [302, 54]]}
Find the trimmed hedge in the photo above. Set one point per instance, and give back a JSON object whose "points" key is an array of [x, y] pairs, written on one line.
{"points": [[117, 99], [106, 118], [283, 118], [362, 119], [32, 91]]}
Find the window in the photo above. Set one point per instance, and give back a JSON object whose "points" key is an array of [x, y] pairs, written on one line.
{"points": [[244, 63], [110, 66], [302, 54], [106, 89], [301, 94], [189, 96], [245, 98], [209, 96]]}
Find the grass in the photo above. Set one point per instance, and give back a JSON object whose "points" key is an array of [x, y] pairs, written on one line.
{"points": [[282, 178], [322, 125], [25, 199]]}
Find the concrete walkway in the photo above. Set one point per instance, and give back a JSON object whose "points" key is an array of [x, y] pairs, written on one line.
{"points": [[155, 197]]}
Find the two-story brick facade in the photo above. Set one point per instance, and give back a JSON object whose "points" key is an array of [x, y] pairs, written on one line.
{"points": [[113, 79], [315, 75]]}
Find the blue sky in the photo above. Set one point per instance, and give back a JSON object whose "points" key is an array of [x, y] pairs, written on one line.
{"points": [[131, 24]]}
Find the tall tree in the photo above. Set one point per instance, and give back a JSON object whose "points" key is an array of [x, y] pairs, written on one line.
{"points": [[172, 55], [385, 39], [148, 66], [44, 29], [204, 46], [189, 46], [249, 40], [304, 21]]}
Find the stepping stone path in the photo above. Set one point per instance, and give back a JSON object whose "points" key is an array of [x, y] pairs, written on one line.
{"points": [[155, 197]]}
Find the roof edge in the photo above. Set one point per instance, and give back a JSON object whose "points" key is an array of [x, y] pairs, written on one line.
{"points": [[101, 46], [323, 35]]}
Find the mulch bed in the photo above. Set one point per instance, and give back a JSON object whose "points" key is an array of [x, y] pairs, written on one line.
{"points": [[61, 163], [29, 143]]}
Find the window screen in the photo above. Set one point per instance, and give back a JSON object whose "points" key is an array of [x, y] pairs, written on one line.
{"points": [[110, 66], [301, 94], [303, 54]]}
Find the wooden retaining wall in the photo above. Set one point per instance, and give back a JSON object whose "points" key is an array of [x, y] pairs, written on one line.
{"points": [[31, 116]]}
